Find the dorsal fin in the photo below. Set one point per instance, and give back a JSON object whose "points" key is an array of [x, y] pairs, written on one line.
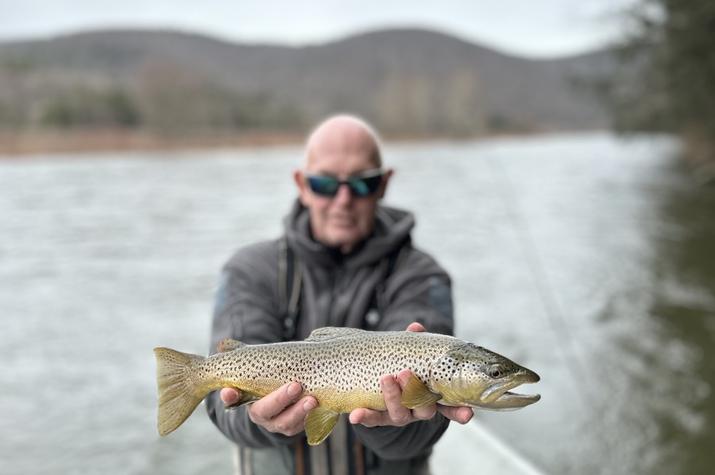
{"points": [[329, 333], [228, 344]]}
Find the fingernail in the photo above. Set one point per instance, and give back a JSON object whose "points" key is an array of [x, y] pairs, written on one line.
{"points": [[309, 405], [404, 376], [293, 389]]}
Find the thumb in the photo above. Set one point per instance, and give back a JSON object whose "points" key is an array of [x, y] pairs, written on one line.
{"points": [[415, 327], [230, 396]]}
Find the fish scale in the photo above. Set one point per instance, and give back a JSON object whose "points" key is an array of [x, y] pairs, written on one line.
{"points": [[341, 368]]}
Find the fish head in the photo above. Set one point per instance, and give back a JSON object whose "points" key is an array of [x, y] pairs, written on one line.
{"points": [[469, 375]]}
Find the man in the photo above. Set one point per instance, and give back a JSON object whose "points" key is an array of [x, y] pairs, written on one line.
{"points": [[344, 261]]}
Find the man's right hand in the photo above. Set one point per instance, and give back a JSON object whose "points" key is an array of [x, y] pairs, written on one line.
{"points": [[283, 411]]}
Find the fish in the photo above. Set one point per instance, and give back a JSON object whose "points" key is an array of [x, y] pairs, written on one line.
{"points": [[341, 368]]}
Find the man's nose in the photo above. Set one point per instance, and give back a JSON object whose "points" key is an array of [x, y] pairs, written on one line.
{"points": [[343, 195]]}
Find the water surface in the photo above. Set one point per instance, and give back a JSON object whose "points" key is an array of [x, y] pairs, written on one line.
{"points": [[586, 258]]}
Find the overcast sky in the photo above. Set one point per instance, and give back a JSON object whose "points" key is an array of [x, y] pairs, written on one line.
{"points": [[536, 28]]}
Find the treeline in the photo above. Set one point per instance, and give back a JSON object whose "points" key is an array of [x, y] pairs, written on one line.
{"points": [[408, 82], [163, 99], [670, 75], [172, 100]]}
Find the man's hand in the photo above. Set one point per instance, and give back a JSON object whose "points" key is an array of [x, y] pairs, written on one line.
{"points": [[283, 411], [398, 415]]}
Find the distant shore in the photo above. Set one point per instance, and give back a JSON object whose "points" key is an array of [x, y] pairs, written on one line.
{"points": [[29, 144], [26, 144]]}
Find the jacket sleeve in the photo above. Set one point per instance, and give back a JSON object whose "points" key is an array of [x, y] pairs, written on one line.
{"points": [[418, 290], [245, 309]]}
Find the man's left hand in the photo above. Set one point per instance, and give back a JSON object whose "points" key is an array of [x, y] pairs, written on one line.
{"points": [[398, 415]]}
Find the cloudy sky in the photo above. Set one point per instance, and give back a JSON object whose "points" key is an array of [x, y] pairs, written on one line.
{"points": [[535, 28]]}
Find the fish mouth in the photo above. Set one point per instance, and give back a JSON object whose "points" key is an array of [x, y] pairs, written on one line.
{"points": [[499, 396]]}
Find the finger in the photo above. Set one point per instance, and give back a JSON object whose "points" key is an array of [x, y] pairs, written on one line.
{"points": [[357, 416], [424, 413], [459, 414], [230, 396], [416, 327], [292, 420], [369, 418], [274, 403], [391, 391]]}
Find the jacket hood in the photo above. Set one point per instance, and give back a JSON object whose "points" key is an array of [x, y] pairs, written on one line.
{"points": [[392, 229]]}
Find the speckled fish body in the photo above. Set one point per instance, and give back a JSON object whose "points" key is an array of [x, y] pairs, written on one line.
{"points": [[341, 368]]}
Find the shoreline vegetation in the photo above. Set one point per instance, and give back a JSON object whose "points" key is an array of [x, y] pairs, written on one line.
{"points": [[135, 89], [29, 144], [120, 90], [94, 143], [41, 143]]}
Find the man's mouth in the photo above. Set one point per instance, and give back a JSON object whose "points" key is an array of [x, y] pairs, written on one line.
{"points": [[343, 221]]}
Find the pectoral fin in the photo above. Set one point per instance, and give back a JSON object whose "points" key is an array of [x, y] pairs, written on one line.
{"points": [[319, 424], [415, 394]]}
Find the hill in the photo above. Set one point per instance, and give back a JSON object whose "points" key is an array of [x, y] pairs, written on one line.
{"points": [[407, 81]]}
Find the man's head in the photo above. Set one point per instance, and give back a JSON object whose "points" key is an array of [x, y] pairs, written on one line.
{"points": [[342, 147]]}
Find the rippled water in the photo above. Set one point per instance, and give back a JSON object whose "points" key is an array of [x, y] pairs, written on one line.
{"points": [[588, 259]]}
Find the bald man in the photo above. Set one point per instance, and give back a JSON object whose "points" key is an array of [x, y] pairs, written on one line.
{"points": [[344, 260]]}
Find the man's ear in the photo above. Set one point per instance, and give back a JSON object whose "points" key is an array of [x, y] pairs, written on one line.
{"points": [[303, 191], [385, 180]]}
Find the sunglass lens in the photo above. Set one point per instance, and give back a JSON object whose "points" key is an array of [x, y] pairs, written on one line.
{"points": [[359, 186], [323, 185], [364, 186]]}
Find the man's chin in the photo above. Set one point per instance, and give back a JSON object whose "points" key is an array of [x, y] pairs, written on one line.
{"points": [[346, 241]]}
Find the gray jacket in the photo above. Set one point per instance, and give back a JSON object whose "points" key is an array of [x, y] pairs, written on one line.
{"points": [[385, 279]]}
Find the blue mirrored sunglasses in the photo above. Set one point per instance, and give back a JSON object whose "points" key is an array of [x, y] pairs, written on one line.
{"points": [[361, 185]]}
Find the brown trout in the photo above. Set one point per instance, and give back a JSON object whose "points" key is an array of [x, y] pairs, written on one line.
{"points": [[341, 368]]}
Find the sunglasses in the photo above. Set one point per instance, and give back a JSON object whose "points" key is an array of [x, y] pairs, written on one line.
{"points": [[360, 185]]}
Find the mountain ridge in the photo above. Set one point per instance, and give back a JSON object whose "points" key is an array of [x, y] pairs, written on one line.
{"points": [[405, 80]]}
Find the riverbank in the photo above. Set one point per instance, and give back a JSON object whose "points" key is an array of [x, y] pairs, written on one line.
{"points": [[26, 144], [29, 143]]}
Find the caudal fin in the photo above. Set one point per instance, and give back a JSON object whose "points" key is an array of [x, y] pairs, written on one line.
{"points": [[180, 389]]}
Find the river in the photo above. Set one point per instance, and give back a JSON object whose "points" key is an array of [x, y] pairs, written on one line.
{"points": [[587, 258]]}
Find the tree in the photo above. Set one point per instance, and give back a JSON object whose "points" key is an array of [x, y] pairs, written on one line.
{"points": [[668, 84]]}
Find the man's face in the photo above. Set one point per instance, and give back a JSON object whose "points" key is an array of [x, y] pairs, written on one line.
{"points": [[343, 220]]}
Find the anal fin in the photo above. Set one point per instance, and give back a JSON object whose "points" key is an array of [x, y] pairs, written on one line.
{"points": [[319, 423], [415, 394]]}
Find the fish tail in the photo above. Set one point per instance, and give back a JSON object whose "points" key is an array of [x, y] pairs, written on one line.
{"points": [[180, 387]]}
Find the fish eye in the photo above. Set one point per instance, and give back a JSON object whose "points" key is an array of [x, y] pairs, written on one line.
{"points": [[495, 371]]}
